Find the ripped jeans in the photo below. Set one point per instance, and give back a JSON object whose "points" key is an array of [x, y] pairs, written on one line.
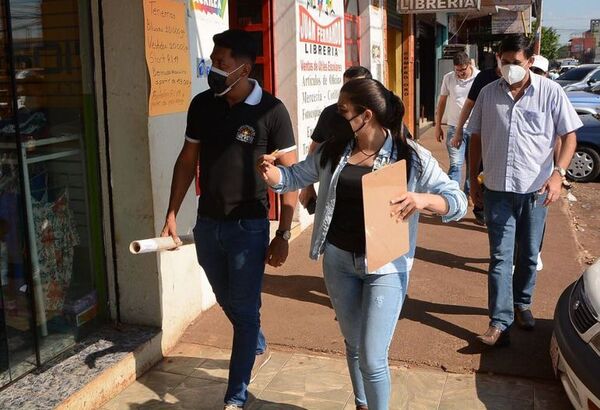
{"points": [[367, 308]]}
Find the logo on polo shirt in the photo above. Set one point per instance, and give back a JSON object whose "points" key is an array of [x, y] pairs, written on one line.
{"points": [[246, 134]]}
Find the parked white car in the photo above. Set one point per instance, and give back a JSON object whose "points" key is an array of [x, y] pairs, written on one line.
{"points": [[575, 345]]}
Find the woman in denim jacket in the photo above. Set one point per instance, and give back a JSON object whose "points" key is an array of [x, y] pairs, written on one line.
{"points": [[366, 136]]}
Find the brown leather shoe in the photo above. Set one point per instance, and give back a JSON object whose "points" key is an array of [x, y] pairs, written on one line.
{"points": [[494, 337], [524, 319]]}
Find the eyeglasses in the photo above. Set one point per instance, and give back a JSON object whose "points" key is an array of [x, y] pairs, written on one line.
{"points": [[461, 70]]}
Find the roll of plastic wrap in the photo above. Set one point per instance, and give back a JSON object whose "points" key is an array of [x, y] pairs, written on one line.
{"points": [[158, 244]]}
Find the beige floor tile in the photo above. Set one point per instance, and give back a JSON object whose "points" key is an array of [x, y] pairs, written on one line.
{"points": [[492, 388], [269, 371], [270, 400], [215, 367], [199, 394], [550, 396], [416, 388], [183, 359], [460, 393], [150, 390], [313, 378]]}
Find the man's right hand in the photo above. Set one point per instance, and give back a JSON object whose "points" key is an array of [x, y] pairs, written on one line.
{"points": [[170, 229], [439, 134], [476, 193], [307, 194], [457, 139]]}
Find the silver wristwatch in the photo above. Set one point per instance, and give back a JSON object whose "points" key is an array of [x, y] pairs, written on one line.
{"points": [[561, 171], [285, 235]]}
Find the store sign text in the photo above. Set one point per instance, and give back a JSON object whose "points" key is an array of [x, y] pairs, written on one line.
{"points": [[432, 6], [313, 32]]}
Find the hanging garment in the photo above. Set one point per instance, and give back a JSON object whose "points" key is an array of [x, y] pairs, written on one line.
{"points": [[56, 237]]}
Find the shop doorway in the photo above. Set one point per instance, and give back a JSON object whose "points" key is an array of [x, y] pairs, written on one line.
{"points": [[426, 69], [52, 285], [255, 17]]}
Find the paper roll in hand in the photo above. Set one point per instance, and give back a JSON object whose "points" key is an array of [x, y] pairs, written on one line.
{"points": [[158, 244]]}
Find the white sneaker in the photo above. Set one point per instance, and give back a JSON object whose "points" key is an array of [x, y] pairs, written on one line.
{"points": [[540, 264]]}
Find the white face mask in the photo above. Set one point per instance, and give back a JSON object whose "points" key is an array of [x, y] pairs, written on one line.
{"points": [[513, 73]]}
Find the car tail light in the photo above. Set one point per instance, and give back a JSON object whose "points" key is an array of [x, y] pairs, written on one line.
{"points": [[592, 406]]}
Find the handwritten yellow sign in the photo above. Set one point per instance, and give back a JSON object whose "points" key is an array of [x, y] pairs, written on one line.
{"points": [[167, 56]]}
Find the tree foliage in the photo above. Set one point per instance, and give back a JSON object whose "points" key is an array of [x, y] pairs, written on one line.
{"points": [[550, 41]]}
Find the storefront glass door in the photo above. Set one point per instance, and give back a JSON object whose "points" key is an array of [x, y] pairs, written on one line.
{"points": [[53, 275]]}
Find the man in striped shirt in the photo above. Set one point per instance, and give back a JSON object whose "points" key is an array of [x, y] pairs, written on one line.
{"points": [[514, 126]]}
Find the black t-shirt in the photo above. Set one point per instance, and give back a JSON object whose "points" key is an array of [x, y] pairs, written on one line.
{"points": [[322, 130], [232, 139], [484, 78], [347, 229]]}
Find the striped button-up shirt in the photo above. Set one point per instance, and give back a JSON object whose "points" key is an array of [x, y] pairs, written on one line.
{"points": [[518, 137]]}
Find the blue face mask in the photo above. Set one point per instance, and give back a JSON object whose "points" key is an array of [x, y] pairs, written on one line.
{"points": [[217, 81]]}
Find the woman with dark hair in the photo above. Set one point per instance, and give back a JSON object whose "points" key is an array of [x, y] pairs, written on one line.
{"points": [[366, 135]]}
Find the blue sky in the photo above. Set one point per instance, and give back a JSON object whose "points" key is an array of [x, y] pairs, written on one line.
{"points": [[570, 17]]}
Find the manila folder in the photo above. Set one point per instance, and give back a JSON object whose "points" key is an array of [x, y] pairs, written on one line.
{"points": [[386, 239]]}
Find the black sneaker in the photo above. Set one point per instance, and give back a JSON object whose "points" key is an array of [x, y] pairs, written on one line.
{"points": [[479, 216], [524, 319]]}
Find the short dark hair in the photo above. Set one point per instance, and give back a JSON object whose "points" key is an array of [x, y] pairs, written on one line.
{"points": [[461, 58], [516, 43], [240, 42], [357, 71]]}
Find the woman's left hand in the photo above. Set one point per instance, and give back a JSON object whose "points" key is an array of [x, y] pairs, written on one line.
{"points": [[405, 205]]}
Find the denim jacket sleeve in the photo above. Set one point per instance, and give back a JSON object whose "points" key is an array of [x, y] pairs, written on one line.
{"points": [[299, 175], [434, 180]]}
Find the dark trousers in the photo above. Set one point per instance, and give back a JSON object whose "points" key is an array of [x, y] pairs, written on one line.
{"points": [[232, 254]]}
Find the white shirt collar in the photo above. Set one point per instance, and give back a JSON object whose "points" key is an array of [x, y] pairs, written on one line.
{"points": [[255, 95]]}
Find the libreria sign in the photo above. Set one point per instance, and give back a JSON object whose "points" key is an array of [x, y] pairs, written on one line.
{"points": [[429, 6]]}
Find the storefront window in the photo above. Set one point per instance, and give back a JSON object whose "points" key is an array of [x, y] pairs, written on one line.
{"points": [[50, 87], [17, 331]]}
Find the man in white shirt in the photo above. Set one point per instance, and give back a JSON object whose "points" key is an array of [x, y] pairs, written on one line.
{"points": [[455, 89]]}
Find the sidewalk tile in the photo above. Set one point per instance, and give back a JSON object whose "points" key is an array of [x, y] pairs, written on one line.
{"points": [[199, 394], [550, 397], [313, 377], [269, 371], [184, 358], [215, 366], [417, 388], [153, 387], [460, 393], [272, 400], [491, 388]]}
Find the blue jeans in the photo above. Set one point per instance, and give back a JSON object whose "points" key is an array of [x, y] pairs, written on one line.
{"points": [[457, 157], [512, 219], [232, 254], [367, 308]]}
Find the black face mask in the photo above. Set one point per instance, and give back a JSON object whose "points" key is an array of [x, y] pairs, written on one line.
{"points": [[340, 127], [217, 81]]}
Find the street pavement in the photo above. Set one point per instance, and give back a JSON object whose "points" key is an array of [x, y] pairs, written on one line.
{"points": [[194, 376], [434, 341]]}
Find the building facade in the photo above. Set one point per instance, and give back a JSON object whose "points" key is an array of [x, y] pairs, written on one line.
{"points": [[93, 111]]}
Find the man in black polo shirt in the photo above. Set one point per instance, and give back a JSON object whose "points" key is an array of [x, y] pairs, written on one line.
{"points": [[228, 128]]}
